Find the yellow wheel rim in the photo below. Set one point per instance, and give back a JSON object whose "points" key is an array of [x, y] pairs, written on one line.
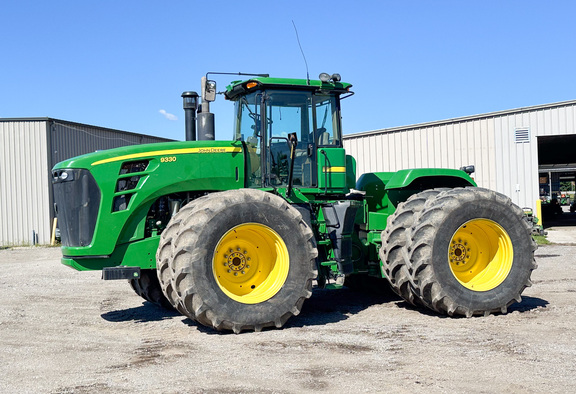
{"points": [[480, 254], [251, 263]]}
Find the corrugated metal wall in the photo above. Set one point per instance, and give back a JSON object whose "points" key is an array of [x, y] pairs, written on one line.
{"points": [[24, 183], [450, 145], [69, 139], [517, 163], [487, 141], [29, 148]]}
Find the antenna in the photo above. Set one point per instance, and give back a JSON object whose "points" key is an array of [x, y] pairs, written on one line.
{"points": [[304, 56]]}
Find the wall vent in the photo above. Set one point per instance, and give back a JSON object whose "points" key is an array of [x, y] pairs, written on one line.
{"points": [[522, 135]]}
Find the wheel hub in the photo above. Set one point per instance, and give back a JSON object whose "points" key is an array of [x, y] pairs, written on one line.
{"points": [[480, 254], [237, 261], [459, 252], [250, 263]]}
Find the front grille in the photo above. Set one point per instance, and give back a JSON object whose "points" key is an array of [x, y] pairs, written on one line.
{"points": [[130, 167], [124, 184], [77, 200]]}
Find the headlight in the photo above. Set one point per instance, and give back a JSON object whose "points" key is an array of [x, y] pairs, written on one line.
{"points": [[62, 176]]}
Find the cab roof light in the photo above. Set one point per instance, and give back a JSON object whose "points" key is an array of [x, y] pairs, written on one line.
{"points": [[325, 77]]}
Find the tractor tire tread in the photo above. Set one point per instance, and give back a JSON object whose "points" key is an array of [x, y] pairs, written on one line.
{"points": [[393, 254]]}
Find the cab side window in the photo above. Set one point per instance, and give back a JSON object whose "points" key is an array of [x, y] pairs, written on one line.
{"points": [[326, 120]]}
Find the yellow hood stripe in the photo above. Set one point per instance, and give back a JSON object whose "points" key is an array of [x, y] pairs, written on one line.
{"points": [[223, 149]]}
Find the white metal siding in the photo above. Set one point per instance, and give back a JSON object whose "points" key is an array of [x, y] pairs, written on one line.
{"points": [[487, 141], [439, 146], [24, 183]]}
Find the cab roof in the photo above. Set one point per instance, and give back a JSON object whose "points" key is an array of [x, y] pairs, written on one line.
{"points": [[237, 88]]}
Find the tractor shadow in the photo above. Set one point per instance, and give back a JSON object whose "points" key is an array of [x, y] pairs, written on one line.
{"points": [[147, 312], [324, 307], [331, 306], [335, 305], [528, 304]]}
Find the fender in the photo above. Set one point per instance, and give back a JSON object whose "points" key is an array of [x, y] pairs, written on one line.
{"points": [[385, 190]]}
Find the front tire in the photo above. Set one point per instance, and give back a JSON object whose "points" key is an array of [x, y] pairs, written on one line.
{"points": [[239, 260]]}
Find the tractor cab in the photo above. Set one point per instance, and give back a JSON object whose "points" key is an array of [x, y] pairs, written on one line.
{"points": [[292, 132]]}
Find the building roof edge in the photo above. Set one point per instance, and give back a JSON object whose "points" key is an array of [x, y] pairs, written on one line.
{"points": [[459, 119]]}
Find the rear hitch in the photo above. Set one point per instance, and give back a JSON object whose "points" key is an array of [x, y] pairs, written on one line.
{"points": [[120, 272]]}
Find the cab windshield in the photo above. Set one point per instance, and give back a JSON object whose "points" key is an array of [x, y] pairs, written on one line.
{"points": [[265, 119]]}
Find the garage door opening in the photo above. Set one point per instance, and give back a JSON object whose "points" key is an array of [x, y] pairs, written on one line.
{"points": [[557, 179]]}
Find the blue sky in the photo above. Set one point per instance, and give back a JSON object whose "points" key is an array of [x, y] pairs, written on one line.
{"points": [[123, 64]]}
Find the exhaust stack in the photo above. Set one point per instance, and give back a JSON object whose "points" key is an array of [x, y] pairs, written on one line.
{"points": [[190, 106]]}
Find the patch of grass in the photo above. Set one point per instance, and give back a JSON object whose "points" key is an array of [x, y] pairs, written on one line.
{"points": [[541, 240], [15, 245]]}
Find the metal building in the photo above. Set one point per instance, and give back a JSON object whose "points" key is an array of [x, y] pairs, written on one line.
{"points": [[29, 148], [523, 153]]}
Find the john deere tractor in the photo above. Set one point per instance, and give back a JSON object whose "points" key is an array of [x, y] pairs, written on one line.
{"points": [[235, 234]]}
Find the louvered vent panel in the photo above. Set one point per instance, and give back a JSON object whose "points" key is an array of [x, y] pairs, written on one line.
{"points": [[522, 135]]}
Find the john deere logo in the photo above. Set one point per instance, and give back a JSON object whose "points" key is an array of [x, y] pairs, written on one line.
{"points": [[212, 150]]}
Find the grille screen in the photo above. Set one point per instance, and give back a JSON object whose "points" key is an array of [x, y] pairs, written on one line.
{"points": [[77, 200], [133, 166]]}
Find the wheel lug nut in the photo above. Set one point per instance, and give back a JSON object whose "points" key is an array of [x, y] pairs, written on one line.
{"points": [[229, 271], [243, 272], [235, 273]]}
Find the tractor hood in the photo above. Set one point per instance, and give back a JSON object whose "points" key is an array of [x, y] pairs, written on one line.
{"points": [[148, 151]]}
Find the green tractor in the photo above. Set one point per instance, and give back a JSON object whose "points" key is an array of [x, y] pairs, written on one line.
{"points": [[235, 234]]}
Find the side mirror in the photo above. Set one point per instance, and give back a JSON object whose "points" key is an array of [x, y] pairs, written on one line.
{"points": [[208, 89]]}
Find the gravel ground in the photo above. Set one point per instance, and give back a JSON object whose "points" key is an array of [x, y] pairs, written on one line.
{"points": [[63, 331]]}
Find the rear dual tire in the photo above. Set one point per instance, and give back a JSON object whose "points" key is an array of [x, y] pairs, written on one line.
{"points": [[464, 251]]}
